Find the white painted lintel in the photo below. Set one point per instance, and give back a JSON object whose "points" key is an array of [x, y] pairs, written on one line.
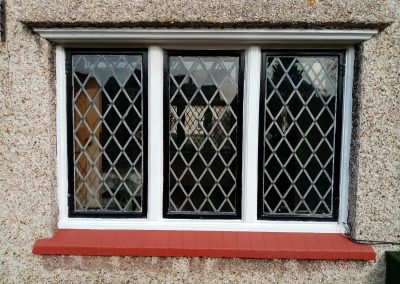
{"points": [[239, 36]]}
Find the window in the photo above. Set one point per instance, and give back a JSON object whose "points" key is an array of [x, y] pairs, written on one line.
{"points": [[233, 104], [107, 144], [300, 134], [140, 128], [202, 137]]}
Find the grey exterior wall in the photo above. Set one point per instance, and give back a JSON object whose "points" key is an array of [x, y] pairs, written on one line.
{"points": [[28, 205]]}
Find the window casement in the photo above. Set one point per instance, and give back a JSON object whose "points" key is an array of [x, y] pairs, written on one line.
{"points": [[234, 130], [107, 135], [202, 138], [300, 134]]}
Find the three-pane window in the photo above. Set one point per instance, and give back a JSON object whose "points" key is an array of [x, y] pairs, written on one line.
{"points": [[299, 127]]}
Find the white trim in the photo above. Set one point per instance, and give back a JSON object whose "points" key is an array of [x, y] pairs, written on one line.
{"points": [[155, 129], [346, 137], [201, 225], [250, 133], [243, 36], [61, 121]]}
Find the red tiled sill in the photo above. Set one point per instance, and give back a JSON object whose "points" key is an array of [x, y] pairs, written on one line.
{"points": [[203, 244]]}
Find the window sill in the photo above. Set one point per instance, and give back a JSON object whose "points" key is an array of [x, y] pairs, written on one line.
{"points": [[203, 244]]}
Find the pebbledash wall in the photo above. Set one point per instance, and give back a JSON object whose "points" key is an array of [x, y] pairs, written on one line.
{"points": [[28, 204]]}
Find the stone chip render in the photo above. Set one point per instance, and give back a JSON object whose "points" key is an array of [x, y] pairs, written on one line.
{"points": [[28, 207]]}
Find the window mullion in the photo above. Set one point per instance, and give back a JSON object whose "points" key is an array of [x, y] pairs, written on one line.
{"points": [[250, 132], [155, 126]]}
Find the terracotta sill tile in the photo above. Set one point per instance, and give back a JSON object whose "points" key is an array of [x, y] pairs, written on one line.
{"points": [[203, 244]]}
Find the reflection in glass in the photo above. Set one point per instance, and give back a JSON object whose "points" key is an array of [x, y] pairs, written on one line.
{"points": [[299, 127], [107, 124], [203, 134]]}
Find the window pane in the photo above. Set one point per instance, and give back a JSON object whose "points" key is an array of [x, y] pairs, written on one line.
{"points": [[107, 111], [298, 136], [204, 135]]}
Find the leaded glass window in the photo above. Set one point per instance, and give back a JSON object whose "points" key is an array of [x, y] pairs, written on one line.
{"points": [[203, 135], [107, 98], [299, 143], [300, 135]]}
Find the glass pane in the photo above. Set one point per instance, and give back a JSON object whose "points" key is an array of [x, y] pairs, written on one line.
{"points": [[203, 134], [108, 132], [299, 126]]}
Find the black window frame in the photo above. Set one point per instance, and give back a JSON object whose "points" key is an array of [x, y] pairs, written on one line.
{"points": [[341, 55], [166, 180], [69, 52]]}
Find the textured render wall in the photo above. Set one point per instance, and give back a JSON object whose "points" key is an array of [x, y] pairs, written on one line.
{"points": [[375, 172], [28, 209]]}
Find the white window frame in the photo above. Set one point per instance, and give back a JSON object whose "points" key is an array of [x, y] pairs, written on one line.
{"points": [[250, 40]]}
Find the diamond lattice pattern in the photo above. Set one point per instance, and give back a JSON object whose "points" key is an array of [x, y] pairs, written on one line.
{"points": [[203, 134], [300, 108], [107, 128]]}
